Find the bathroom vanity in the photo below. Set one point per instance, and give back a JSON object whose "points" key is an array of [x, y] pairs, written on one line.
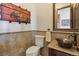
{"points": [[65, 20], [55, 50]]}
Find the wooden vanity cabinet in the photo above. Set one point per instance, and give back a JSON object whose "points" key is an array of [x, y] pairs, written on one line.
{"points": [[54, 52]]}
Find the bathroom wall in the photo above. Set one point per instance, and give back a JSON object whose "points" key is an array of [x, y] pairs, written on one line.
{"points": [[17, 43], [41, 18], [60, 5], [14, 44], [44, 16], [5, 26]]}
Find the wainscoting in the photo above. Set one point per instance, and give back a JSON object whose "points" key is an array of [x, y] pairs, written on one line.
{"points": [[15, 43]]}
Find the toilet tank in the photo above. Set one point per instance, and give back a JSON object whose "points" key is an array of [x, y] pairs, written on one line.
{"points": [[39, 40]]}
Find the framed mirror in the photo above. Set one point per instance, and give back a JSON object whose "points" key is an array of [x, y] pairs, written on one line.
{"points": [[62, 16]]}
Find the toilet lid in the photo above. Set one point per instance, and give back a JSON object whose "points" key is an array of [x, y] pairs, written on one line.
{"points": [[32, 49]]}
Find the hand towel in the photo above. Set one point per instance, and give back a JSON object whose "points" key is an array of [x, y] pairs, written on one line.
{"points": [[48, 36]]}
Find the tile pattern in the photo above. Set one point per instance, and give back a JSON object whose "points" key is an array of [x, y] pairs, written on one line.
{"points": [[14, 44]]}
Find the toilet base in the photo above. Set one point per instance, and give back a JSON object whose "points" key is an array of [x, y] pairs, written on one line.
{"points": [[33, 51]]}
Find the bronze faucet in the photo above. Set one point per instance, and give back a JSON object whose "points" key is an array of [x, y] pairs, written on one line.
{"points": [[74, 35], [75, 41]]}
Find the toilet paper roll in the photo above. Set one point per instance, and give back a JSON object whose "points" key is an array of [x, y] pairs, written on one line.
{"points": [[48, 36]]}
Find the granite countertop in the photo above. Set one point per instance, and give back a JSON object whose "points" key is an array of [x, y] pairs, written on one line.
{"points": [[54, 45]]}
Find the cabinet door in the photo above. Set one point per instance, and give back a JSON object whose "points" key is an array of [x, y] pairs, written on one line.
{"points": [[59, 53], [53, 52]]}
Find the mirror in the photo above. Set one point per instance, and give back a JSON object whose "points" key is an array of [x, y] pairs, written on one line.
{"points": [[62, 16]]}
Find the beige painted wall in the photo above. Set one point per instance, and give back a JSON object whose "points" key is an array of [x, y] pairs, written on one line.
{"points": [[60, 5], [44, 16], [41, 18], [5, 26]]}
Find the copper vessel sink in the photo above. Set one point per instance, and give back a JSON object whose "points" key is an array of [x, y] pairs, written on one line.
{"points": [[63, 44]]}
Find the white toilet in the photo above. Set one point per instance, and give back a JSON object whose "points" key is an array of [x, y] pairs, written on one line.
{"points": [[35, 50]]}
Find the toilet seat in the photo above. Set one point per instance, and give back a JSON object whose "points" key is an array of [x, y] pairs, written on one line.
{"points": [[33, 50]]}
